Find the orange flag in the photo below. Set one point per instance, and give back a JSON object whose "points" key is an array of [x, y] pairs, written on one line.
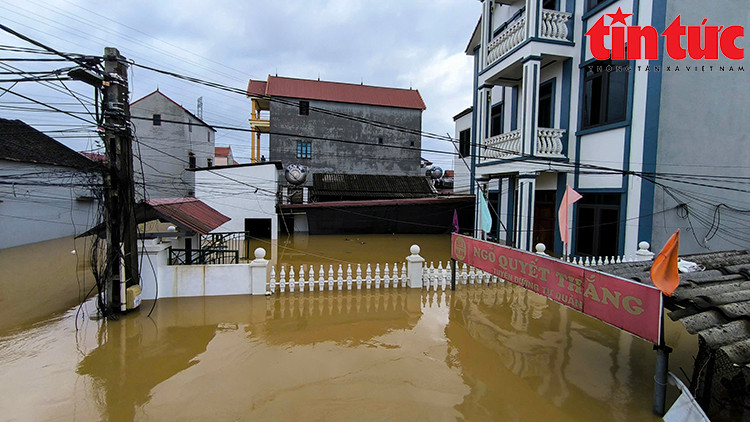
{"points": [[664, 272]]}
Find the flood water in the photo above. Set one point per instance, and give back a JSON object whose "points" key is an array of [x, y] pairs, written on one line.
{"points": [[481, 353]]}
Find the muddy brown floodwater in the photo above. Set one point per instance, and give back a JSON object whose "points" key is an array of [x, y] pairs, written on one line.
{"points": [[482, 353]]}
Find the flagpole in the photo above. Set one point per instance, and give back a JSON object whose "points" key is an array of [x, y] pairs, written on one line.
{"points": [[662, 371]]}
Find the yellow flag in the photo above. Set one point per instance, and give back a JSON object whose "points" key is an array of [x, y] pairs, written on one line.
{"points": [[664, 271]]}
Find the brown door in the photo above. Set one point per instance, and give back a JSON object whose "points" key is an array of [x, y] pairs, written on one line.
{"points": [[544, 218]]}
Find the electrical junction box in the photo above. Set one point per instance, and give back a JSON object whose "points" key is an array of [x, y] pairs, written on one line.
{"points": [[133, 295]]}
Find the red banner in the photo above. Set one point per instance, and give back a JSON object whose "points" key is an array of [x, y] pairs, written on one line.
{"points": [[625, 304]]}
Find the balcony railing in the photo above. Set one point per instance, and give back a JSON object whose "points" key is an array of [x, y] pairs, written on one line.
{"points": [[503, 145], [506, 40], [554, 26], [548, 144]]}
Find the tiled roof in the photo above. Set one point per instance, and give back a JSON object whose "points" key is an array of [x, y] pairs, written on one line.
{"points": [[714, 303], [371, 186], [21, 142], [190, 213], [336, 91], [222, 151]]}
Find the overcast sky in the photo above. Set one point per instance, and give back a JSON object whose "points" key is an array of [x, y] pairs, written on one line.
{"points": [[393, 43]]}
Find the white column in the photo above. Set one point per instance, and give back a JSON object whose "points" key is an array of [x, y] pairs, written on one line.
{"points": [[483, 120], [414, 267], [525, 211], [259, 273], [157, 254], [533, 18], [529, 104]]}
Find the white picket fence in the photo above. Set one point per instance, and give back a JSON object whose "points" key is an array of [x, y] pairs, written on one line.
{"points": [[287, 278], [642, 254], [389, 276]]}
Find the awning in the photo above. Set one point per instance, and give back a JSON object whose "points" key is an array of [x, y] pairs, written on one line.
{"points": [[188, 214]]}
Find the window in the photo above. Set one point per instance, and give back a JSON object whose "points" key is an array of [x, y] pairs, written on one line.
{"points": [[464, 143], [304, 108], [208, 136], [380, 140], [191, 160], [597, 225], [605, 93], [157, 119], [304, 149], [496, 119], [549, 4], [546, 100], [590, 4], [209, 162], [190, 126]]}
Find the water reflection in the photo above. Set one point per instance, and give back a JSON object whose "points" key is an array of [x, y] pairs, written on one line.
{"points": [[567, 366], [480, 353]]}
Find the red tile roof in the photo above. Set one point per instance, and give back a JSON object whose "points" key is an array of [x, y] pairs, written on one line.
{"points": [[336, 91], [222, 151], [190, 213]]}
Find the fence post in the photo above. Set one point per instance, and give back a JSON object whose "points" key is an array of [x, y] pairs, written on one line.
{"points": [[415, 269], [643, 254], [541, 249], [258, 273]]}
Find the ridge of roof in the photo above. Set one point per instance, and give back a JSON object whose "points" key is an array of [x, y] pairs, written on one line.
{"points": [[281, 86], [175, 103], [23, 143]]}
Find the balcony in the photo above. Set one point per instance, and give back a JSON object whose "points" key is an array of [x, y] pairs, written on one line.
{"points": [[547, 144], [553, 27]]}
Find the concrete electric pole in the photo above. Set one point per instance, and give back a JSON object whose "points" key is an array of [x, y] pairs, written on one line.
{"points": [[122, 262]]}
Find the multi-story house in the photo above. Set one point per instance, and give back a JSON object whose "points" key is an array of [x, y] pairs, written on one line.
{"points": [[332, 127], [653, 142], [168, 141]]}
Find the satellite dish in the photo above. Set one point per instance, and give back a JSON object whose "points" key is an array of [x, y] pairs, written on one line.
{"points": [[295, 174], [435, 172]]}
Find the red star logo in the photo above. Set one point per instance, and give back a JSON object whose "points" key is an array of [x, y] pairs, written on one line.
{"points": [[619, 17]]}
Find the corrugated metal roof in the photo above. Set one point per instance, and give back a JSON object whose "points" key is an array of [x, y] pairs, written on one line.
{"points": [[190, 213], [332, 186], [336, 91], [714, 304]]}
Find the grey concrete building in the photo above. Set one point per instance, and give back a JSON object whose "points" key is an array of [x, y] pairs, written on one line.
{"points": [[168, 140], [332, 127]]}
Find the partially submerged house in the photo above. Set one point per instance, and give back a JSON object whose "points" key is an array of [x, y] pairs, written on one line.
{"points": [[328, 126], [246, 193], [49, 191], [168, 140], [653, 145], [349, 203]]}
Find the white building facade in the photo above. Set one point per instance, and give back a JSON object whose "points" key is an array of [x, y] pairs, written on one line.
{"points": [[246, 193], [168, 141], [546, 113]]}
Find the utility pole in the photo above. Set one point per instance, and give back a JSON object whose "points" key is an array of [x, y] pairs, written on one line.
{"points": [[118, 184]]}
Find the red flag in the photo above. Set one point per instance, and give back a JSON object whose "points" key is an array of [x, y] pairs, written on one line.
{"points": [[569, 198], [664, 271]]}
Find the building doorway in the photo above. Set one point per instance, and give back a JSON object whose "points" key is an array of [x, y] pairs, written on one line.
{"points": [[544, 218]]}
